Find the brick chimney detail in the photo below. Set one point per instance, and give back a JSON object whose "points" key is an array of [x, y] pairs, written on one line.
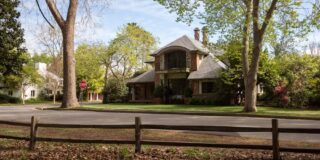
{"points": [[196, 34], [205, 36]]}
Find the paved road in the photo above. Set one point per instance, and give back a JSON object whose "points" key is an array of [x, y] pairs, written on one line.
{"points": [[23, 114]]}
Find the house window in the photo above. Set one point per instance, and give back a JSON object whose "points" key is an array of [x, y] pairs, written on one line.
{"points": [[10, 93], [49, 91], [33, 93], [207, 87], [176, 59]]}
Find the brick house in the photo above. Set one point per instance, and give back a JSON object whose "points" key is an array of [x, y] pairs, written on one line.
{"points": [[183, 63]]}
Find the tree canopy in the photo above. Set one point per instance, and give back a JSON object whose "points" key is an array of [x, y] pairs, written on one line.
{"points": [[89, 66], [11, 39], [130, 49]]}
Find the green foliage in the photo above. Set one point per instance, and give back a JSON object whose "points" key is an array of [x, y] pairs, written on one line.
{"points": [[232, 77], [11, 39], [300, 73], [130, 49], [158, 91], [42, 58], [116, 90], [28, 76], [227, 17], [8, 99], [188, 92], [43, 96], [89, 66]]}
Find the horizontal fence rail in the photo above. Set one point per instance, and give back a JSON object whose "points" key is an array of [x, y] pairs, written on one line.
{"points": [[120, 126], [207, 128], [138, 142], [15, 123], [215, 145]]}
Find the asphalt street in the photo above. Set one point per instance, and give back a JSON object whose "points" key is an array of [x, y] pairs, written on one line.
{"points": [[24, 113]]}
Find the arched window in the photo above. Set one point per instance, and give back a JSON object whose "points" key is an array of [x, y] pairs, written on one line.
{"points": [[176, 59]]}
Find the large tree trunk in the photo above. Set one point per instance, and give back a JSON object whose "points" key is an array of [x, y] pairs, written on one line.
{"points": [[54, 97], [105, 92], [249, 105], [258, 34], [69, 74], [22, 96], [251, 93]]}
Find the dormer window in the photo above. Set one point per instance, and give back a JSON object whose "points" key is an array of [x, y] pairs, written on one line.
{"points": [[176, 59]]}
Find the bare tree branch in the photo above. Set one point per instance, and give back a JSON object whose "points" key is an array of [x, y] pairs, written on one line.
{"points": [[56, 14]]}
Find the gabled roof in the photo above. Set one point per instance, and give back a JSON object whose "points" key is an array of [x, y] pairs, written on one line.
{"points": [[144, 77], [209, 68], [185, 42]]}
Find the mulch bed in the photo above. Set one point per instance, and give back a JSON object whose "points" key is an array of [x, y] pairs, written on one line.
{"points": [[10, 149]]}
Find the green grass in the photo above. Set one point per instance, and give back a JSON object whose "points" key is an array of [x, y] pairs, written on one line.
{"points": [[268, 111]]}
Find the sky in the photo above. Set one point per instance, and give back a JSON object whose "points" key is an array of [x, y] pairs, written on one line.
{"points": [[147, 13]]}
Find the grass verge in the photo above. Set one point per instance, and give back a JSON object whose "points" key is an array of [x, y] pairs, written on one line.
{"points": [[227, 110]]}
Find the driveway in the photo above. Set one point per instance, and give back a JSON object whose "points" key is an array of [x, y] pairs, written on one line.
{"points": [[24, 113]]}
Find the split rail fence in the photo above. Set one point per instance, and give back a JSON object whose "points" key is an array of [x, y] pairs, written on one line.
{"points": [[138, 142]]}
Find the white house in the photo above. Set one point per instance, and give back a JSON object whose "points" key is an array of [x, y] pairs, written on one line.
{"points": [[33, 91]]}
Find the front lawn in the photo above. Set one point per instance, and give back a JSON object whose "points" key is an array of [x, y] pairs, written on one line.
{"points": [[266, 111]]}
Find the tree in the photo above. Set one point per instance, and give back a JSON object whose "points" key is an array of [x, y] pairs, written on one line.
{"points": [[89, 66], [11, 39], [300, 76], [251, 19], [53, 83], [67, 27], [130, 49], [233, 75], [125, 55]]}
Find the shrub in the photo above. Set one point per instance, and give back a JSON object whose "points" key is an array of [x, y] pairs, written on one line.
{"points": [[8, 99], [188, 92], [195, 101], [158, 92], [116, 91]]}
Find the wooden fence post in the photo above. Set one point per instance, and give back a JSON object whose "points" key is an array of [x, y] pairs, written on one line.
{"points": [[33, 133], [275, 140], [137, 135]]}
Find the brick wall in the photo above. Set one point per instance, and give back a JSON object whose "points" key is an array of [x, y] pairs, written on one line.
{"points": [[195, 86], [157, 80], [157, 63], [194, 61]]}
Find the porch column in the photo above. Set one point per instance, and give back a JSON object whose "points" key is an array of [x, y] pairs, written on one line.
{"points": [[90, 99], [145, 91], [133, 94]]}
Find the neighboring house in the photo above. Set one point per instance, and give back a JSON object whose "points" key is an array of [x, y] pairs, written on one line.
{"points": [[94, 96], [183, 63], [33, 91]]}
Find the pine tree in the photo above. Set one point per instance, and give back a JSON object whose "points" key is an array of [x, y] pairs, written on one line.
{"points": [[11, 39]]}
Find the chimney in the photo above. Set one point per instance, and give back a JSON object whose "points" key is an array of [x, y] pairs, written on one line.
{"points": [[205, 36], [196, 34]]}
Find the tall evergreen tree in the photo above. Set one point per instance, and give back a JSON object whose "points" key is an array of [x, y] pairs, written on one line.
{"points": [[11, 39]]}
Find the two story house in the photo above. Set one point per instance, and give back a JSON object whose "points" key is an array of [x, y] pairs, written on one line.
{"points": [[183, 63]]}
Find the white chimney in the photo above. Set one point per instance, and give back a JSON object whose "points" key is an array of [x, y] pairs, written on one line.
{"points": [[41, 67]]}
